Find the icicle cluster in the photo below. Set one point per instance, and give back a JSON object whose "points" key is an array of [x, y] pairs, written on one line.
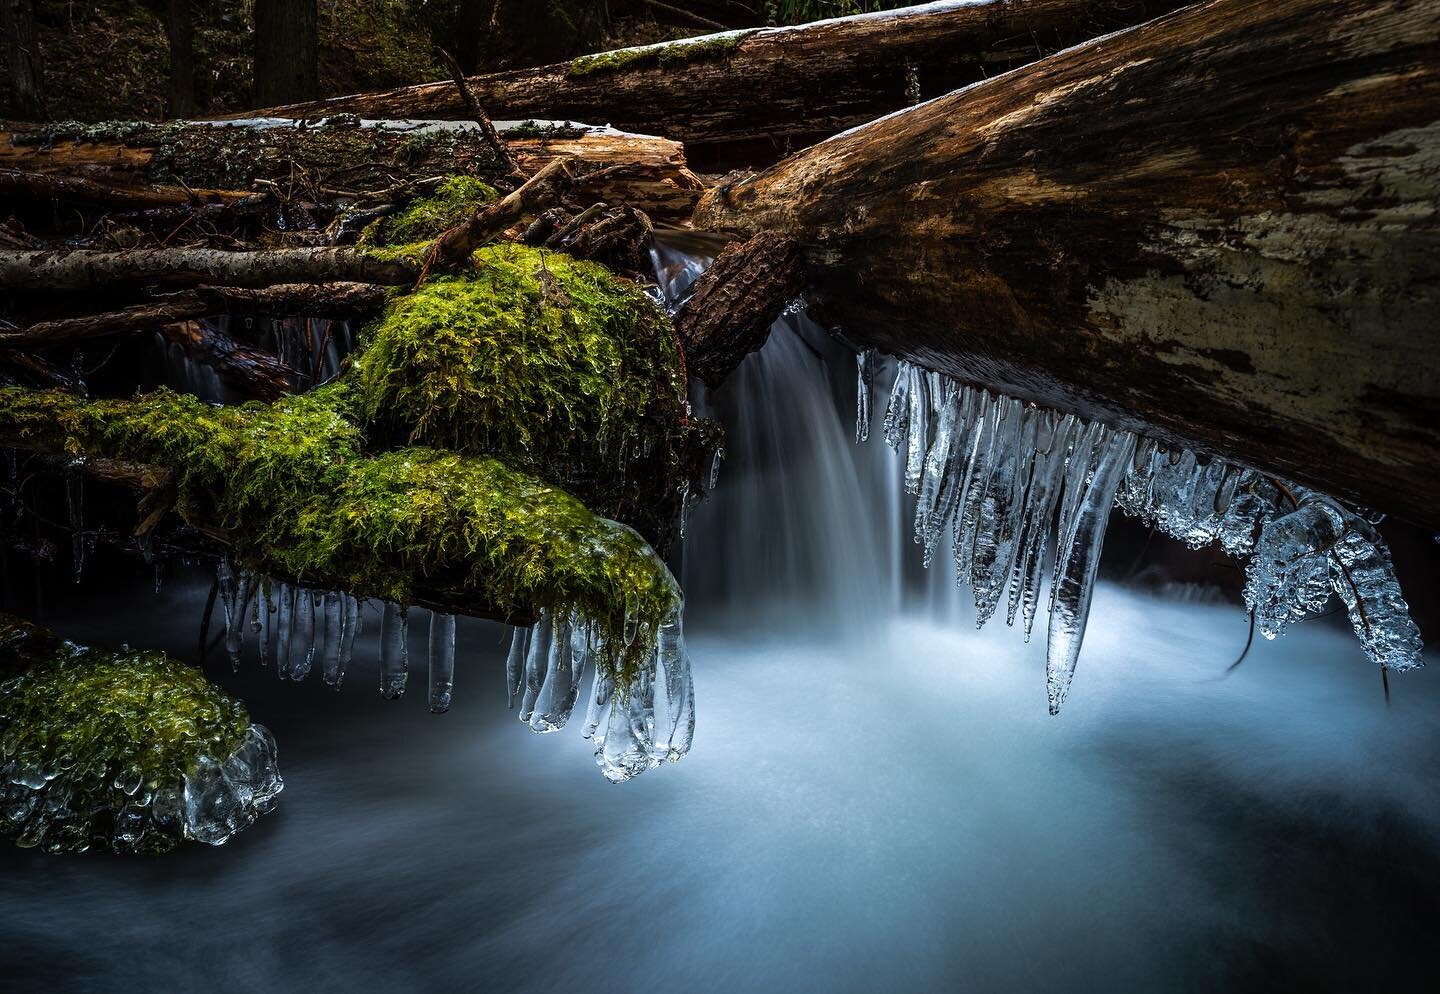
{"points": [[548, 663], [1015, 486], [544, 672]]}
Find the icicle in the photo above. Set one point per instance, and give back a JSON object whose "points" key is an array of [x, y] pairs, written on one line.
{"points": [[1001, 509], [625, 750], [715, 460], [394, 651], [602, 690], [284, 619], [556, 697], [515, 664], [75, 503], [864, 392], [1364, 577], [918, 433], [1288, 577], [977, 482], [235, 619], [537, 661], [932, 513], [1075, 577], [265, 617], [351, 623], [442, 661], [333, 612], [302, 653], [1047, 481], [674, 661], [897, 412]]}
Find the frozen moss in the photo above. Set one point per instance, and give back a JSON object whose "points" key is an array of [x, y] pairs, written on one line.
{"points": [[105, 747], [424, 218], [291, 485], [665, 55]]}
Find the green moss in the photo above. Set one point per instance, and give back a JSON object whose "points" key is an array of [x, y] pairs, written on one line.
{"points": [[424, 218], [543, 360], [90, 738], [666, 55], [291, 485], [548, 131]]}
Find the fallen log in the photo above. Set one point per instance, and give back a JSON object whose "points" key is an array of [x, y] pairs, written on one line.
{"points": [[769, 84], [1220, 228], [59, 269], [328, 300], [733, 304], [253, 373], [167, 165]]}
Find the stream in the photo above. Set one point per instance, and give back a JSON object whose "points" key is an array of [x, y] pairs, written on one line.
{"points": [[876, 800]]}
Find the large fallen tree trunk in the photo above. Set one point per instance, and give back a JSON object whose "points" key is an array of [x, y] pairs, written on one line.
{"points": [[1222, 228], [792, 84], [147, 166]]}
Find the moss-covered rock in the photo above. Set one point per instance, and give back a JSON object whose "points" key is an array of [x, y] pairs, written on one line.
{"points": [[129, 750]]}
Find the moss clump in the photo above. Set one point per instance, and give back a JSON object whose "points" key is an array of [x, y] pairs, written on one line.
{"points": [[547, 362], [424, 218], [665, 55], [97, 745]]}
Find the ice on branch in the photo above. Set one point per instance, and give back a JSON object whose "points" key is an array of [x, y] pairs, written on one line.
{"points": [[545, 668], [1017, 487]]}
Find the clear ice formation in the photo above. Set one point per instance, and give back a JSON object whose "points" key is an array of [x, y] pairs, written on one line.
{"points": [[1015, 486], [221, 798], [545, 669]]}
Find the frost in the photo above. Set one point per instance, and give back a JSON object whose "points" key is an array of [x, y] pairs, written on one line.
{"points": [[1017, 487]]}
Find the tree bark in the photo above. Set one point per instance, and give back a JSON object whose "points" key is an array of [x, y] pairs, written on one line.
{"points": [[734, 302], [221, 163], [286, 42], [22, 55], [773, 85], [1220, 228], [180, 32]]}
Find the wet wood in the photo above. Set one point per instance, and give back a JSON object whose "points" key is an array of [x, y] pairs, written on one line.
{"points": [[733, 304], [1222, 228], [254, 373], [325, 300], [773, 85]]}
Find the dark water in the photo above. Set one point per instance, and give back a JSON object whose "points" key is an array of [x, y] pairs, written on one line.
{"points": [[875, 801]]}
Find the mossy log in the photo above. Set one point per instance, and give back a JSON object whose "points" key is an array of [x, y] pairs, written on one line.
{"points": [[772, 85], [1220, 228], [188, 164]]}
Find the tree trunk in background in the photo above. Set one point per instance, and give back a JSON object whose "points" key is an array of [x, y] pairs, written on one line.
{"points": [[22, 54], [768, 89], [534, 32], [1221, 228], [180, 30], [286, 69]]}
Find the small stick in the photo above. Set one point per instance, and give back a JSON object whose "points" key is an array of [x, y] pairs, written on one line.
{"points": [[685, 15], [507, 158]]}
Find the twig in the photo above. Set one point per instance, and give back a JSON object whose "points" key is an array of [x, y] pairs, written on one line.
{"points": [[686, 16], [472, 103]]}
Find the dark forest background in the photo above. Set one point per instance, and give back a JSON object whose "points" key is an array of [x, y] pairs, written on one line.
{"points": [[112, 59]]}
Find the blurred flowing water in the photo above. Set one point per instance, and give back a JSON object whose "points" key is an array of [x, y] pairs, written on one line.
{"points": [[877, 799]]}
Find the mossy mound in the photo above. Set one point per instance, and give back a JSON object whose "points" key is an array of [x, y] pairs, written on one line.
{"points": [[454, 200], [547, 362], [107, 747]]}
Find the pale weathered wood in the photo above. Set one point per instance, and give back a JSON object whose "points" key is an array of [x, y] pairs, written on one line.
{"points": [[1221, 227]]}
